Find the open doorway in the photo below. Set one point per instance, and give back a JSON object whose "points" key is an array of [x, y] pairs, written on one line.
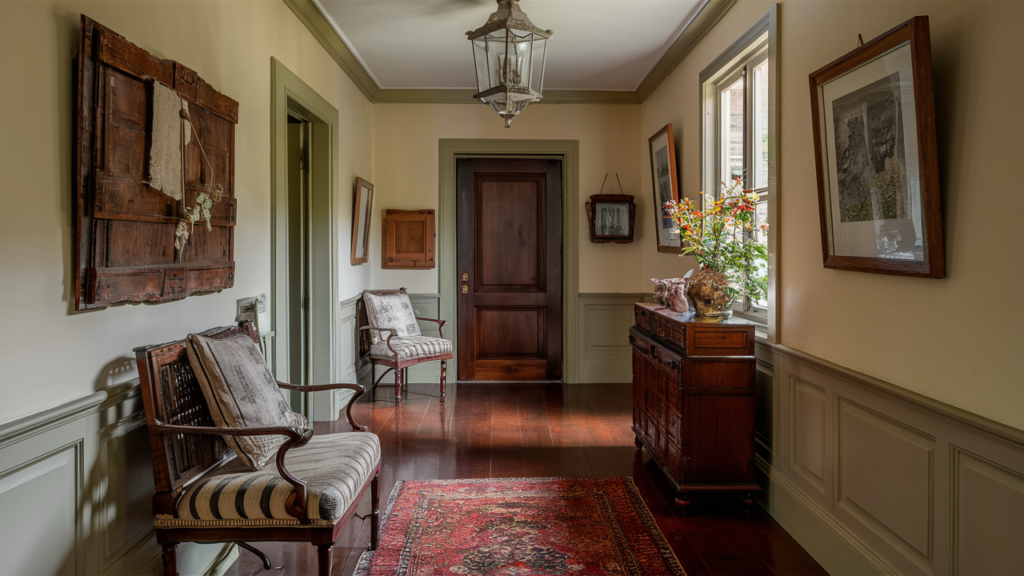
{"points": [[304, 239], [299, 130]]}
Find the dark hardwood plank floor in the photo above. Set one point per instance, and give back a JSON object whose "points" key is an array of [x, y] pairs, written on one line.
{"points": [[510, 430]]}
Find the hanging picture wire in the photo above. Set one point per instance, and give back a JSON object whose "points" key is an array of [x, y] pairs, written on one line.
{"points": [[205, 200]]}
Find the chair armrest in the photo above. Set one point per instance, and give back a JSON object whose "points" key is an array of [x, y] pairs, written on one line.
{"points": [[295, 505], [440, 324], [393, 333], [322, 387], [391, 330]]}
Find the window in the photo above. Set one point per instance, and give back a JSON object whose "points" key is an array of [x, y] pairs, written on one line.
{"points": [[738, 141]]}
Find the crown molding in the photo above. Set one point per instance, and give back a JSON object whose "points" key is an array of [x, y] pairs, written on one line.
{"points": [[704, 18]]}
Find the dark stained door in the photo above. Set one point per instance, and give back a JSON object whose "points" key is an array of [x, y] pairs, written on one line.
{"points": [[510, 269]]}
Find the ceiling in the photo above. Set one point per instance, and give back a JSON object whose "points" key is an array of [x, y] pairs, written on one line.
{"points": [[597, 44]]}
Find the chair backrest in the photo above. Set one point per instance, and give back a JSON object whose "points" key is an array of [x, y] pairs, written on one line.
{"points": [[383, 314], [171, 394]]}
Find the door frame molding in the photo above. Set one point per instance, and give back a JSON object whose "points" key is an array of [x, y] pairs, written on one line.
{"points": [[289, 91], [568, 151]]}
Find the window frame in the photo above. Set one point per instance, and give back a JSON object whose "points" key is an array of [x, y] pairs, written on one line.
{"points": [[738, 61]]}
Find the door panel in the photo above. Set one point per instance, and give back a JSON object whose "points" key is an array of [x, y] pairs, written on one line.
{"points": [[510, 269]]}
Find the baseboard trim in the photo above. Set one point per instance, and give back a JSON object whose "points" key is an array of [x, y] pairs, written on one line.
{"points": [[228, 555]]}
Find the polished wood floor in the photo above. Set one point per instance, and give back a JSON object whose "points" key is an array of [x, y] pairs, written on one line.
{"points": [[514, 430]]}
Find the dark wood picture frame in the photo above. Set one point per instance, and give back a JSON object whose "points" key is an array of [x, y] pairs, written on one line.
{"points": [[362, 208], [593, 209], [664, 173], [903, 211]]}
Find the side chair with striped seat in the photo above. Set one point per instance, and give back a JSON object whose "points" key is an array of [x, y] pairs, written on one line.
{"points": [[396, 340]]}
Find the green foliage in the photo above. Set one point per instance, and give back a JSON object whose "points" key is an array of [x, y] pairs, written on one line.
{"points": [[720, 237]]}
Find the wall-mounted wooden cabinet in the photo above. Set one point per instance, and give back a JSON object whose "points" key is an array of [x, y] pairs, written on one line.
{"points": [[408, 240]]}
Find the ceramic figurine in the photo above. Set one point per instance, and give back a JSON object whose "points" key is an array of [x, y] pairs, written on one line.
{"points": [[671, 292]]}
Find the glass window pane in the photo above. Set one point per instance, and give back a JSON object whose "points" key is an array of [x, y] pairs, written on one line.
{"points": [[761, 237], [760, 126], [732, 132]]}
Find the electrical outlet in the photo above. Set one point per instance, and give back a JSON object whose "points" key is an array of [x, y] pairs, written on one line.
{"points": [[262, 302]]}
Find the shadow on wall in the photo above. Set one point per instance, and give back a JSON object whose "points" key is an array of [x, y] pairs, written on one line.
{"points": [[950, 77]]}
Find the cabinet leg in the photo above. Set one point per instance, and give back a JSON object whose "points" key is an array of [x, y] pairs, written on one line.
{"points": [[748, 502], [683, 500], [638, 443]]}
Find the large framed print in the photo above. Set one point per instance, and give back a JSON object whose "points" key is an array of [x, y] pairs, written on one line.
{"points": [[666, 188], [874, 138]]}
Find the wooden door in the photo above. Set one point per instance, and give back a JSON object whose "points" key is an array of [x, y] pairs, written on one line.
{"points": [[510, 269]]}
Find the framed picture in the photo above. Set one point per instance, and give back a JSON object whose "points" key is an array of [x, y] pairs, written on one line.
{"points": [[362, 204], [666, 188], [611, 218], [874, 138]]}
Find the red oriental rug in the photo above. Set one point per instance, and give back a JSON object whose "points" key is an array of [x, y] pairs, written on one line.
{"points": [[520, 527]]}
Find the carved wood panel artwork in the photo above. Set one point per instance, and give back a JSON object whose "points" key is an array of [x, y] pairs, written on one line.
{"points": [[125, 228]]}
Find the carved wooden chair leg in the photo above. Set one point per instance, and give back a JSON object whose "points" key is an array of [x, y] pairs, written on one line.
{"points": [[374, 511], [398, 385], [325, 557], [259, 554], [405, 379], [444, 376], [170, 559]]}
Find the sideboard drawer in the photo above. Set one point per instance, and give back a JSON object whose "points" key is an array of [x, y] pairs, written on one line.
{"points": [[668, 329], [667, 361], [643, 316]]}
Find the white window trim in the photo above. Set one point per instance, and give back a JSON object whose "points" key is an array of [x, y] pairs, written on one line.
{"points": [[727, 64]]}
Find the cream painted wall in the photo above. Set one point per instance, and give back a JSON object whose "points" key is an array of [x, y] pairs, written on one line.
{"points": [[948, 339], [50, 356], [406, 163]]}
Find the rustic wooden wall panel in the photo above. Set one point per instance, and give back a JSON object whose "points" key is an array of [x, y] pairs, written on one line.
{"points": [[124, 238]]}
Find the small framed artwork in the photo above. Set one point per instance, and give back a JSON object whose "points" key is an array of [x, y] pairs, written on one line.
{"points": [[874, 138], [362, 204], [666, 188], [611, 218]]}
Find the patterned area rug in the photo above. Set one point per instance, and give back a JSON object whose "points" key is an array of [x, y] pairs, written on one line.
{"points": [[519, 527]]}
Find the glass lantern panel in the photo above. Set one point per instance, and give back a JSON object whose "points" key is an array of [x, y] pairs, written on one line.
{"points": [[481, 47], [536, 80]]}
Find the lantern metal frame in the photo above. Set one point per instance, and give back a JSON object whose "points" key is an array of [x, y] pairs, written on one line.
{"points": [[517, 94]]}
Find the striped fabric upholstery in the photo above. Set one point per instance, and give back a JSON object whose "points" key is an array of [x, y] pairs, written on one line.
{"points": [[411, 348], [334, 467]]}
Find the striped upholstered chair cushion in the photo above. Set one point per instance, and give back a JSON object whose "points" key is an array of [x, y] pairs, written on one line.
{"points": [[411, 348], [334, 467]]}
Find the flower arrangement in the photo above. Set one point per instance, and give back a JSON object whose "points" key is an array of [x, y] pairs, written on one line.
{"points": [[719, 236]]}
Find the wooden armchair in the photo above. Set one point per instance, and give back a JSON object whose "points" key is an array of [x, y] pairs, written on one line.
{"points": [[397, 342], [327, 475]]}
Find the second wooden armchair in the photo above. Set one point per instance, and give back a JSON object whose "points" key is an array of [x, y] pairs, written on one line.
{"points": [[396, 339]]}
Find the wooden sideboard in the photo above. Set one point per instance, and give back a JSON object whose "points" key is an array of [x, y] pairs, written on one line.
{"points": [[693, 398]]}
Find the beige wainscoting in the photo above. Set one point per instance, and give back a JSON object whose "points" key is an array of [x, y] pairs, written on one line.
{"points": [[604, 351], [76, 484], [871, 478]]}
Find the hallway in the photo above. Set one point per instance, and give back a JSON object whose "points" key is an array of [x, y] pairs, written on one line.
{"points": [[529, 430]]}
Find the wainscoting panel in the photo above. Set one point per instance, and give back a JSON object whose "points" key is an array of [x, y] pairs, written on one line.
{"points": [[877, 479], [884, 481], [988, 515], [604, 322], [76, 489], [40, 501], [807, 442]]}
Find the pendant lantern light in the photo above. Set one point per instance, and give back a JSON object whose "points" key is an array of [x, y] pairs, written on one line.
{"points": [[509, 54]]}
